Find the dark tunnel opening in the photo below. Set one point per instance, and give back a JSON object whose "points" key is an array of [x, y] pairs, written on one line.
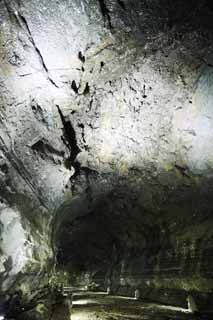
{"points": [[106, 172], [115, 241]]}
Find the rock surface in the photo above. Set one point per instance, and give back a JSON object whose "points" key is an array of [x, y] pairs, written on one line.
{"points": [[106, 130]]}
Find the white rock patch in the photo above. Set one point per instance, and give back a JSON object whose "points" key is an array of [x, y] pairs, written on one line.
{"points": [[14, 245]]}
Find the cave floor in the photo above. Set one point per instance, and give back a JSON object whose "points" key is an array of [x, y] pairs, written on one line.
{"points": [[113, 308]]}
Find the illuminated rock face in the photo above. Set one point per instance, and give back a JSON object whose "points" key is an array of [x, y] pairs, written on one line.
{"points": [[13, 242], [106, 140]]}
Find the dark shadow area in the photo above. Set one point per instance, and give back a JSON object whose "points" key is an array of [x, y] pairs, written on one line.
{"points": [[114, 239], [151, 17]]}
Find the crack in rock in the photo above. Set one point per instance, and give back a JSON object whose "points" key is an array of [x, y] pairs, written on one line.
{"points": [[18, 166], [105, 13], [69, 137], [38, 52], [121, 4], [23, 24]]}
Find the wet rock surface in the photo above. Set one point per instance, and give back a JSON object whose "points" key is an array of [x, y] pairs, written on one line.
{"points": [[102, 306], [126, 308], [106, 147]]}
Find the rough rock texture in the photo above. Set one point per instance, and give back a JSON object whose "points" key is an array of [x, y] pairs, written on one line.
{"points": [[106, 143]]}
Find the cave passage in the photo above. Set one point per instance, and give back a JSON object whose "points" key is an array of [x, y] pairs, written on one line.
{"points": [[106, 170]]}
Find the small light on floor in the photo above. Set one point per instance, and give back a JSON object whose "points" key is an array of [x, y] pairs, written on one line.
{"points": [[1, 317]]}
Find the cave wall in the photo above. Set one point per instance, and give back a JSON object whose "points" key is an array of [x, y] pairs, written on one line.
{"points": [[109, 103], [113, 238]]}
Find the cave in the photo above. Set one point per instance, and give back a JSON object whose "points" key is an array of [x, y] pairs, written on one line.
{"points": [[106, 159]]}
